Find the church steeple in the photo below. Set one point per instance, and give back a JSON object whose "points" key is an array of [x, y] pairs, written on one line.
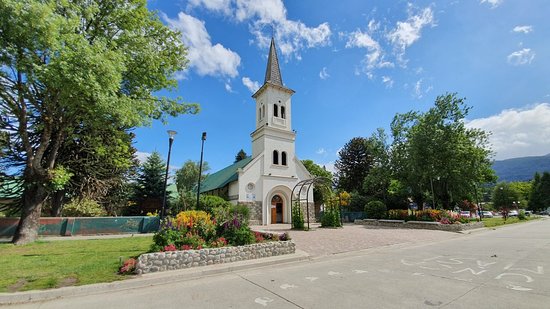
{"points": [[273, 73]]}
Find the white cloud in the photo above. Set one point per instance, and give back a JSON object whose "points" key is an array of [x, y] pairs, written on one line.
{"points": [[329, 166], [142, 156], [204, 58], [228, 88], [409, 31], [269, 17], [524, 56], [374, 58], [525, 29], [321, 151], [324, 74], [518, 132], [492, 3], [388, 81], [418, 89], [253, 86], [222, 6]]}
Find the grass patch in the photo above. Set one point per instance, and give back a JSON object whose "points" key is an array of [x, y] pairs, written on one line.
{"points": [[492, 222], [52, 264]]}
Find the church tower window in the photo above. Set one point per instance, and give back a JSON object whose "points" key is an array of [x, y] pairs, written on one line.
{"points": [[275, 157], [283, 158], [276, 110], [283, 112]]}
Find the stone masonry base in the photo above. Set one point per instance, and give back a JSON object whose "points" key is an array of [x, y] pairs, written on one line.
{"points": [[172, 260], [420, 225]]}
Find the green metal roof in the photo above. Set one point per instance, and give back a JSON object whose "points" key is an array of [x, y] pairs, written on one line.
{"points": [[222, 177], [10, 189]]}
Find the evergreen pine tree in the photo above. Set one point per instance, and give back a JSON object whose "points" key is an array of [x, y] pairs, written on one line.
{"points": [[150, 183], [240, 156]]}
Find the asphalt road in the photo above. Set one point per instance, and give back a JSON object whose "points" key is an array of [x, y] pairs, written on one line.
{"points": [[503, 268]]}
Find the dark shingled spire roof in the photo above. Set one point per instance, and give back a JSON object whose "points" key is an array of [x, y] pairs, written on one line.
{"points": [[273, 73]]}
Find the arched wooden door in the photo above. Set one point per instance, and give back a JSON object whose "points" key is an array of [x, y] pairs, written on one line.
{"points": [[277, 206]]}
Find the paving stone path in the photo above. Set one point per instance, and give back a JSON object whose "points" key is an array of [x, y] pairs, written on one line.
{"points": [[326, 241]]}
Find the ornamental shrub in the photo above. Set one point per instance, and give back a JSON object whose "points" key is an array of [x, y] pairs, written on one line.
{"points": [[521, 215], [331, 217], [209, 202], [85, 207], [375, 210]]}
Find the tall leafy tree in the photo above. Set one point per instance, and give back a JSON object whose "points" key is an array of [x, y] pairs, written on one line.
{"points": [[240, 156], [504, 196], [66, 63], [539, 198], [319, 193], [188, 175], [186, 181], [435, 152], [353, 165]]}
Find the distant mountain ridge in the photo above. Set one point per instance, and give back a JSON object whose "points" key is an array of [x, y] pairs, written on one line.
{"points": [[521, 169]]}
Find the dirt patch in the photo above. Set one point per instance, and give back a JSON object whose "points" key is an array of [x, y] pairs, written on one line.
{"points": [[69, 281], [17, 286]]}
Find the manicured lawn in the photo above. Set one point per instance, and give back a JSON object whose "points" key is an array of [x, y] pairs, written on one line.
{"points": [[51, 264], [492, 222]]}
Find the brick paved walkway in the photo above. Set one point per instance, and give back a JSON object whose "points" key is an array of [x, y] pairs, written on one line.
{"points": [[322, 241]]}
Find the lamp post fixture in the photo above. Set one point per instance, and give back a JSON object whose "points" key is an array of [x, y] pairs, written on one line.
{"points": [[171, 134], [203, 138]]}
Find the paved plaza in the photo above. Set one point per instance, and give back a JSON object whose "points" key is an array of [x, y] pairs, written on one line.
{"points": [[319, 241]]}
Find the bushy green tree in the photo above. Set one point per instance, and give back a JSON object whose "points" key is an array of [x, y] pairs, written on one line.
{"points": [[354, 163], [65, 63], [436, 149], [504, 196], [319, 191], [539, 198]]}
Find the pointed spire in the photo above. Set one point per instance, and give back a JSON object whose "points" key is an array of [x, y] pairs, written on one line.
{"points": [[273, 73]]}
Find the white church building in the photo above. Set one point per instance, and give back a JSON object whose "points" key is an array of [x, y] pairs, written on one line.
{"points": [[264, 181]]}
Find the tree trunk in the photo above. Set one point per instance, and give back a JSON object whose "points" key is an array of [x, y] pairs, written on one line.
{"points": [[57, 203], [33, 198]]}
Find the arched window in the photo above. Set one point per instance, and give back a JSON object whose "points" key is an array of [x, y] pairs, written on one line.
{"points": [[283, 158], [283, 112], [263, 111], [276, 110], [275, 157], [259, 113]]}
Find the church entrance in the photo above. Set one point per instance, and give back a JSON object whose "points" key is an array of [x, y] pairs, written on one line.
{"points": [[276, 209]]}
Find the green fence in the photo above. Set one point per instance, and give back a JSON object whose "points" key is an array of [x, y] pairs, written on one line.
{"points": [[86, 226]]}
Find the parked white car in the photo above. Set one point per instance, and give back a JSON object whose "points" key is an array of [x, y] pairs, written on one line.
{"points": [[513, 213], [487, 214]]}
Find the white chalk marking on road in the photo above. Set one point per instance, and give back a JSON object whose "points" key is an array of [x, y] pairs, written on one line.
{"points": [[471, 270], [528, 279], [539, 271], [333, 273], [446, 266], [483, 265], [517, 287], [418, 274], [359, 271], [430, 268], [287, 286], [311, 279], [263, 301], [508, 266], [455, 261], [462, 279]]}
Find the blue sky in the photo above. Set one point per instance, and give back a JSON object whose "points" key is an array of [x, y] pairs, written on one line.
{"points": [[354, 65]]}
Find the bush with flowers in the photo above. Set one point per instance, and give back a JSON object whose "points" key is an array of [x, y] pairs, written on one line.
{"points": [[431, 215], [197, 229]]}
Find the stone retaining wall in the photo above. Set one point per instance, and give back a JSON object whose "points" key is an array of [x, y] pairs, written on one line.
{"points": [[420, 225], [171, 260]]}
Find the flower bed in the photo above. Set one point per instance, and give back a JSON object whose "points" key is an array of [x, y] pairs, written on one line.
{"points": [[427, 225], [195, 238], [431, 215]]}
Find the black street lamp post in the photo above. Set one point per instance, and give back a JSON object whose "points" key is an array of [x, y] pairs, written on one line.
{"points": [[200, 169], [171, 134]]}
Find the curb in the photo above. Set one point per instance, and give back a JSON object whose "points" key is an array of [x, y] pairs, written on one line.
{"points": [[146, 280]]}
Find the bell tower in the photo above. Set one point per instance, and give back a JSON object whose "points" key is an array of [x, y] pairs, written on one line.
{"points": [[273, 113]]}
